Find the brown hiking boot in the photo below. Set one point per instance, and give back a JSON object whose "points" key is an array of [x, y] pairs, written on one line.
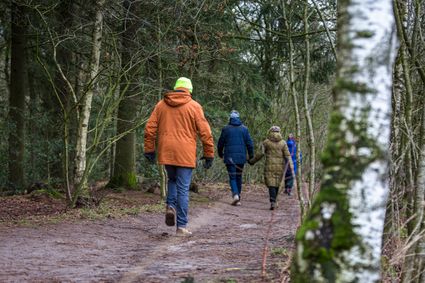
{"points": [[182, 232], [170, 216]]}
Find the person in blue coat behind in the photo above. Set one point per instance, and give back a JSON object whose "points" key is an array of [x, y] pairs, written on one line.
{"points": [[289, 178], [233, 145]]}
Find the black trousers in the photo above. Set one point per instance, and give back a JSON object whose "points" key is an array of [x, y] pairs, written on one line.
{"points": [[273, 191]]}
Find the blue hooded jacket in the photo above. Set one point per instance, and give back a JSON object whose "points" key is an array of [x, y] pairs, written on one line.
{"points": [[292, 146], [235, 142]]}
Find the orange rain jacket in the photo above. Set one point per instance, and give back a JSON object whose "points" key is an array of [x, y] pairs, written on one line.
{"points": [[175, 123]]}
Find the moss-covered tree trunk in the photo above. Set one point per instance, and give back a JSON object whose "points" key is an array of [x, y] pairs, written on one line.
{"points": [[125, 150], [18, 92], [340, 239]]}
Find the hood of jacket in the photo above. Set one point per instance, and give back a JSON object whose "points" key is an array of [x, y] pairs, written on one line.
{"points": [[235, 122], [274, 136], [177, 98]]}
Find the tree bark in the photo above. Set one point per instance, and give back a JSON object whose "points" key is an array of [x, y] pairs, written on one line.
{"points": [[392, 219], [400, 17], [125, 150], [311, 140], [340, 240], [161, 168], [18, 92], [328, 33], [60, 102], [80, 177], [294, 96], [413, 267]]}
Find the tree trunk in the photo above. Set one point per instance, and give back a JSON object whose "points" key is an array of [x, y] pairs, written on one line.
{"points": [[293, 93], [325, 25], [415, 254], [340, 240], [18, 92], [420, 202], [162, 172], [400, 12], [80, 178], [311, 141], [392, 219], [60, 102], [125, 150]]}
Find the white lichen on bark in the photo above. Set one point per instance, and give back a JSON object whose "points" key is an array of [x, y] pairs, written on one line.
{"points": [[347, 217], [86, 101], [372, 35]]}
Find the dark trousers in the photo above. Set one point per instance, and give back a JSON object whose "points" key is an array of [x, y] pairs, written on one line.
{"points": [[235, 178], [289, 183], [273, 191]]}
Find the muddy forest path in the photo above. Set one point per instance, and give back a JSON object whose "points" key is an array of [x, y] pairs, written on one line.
{"points": [[228, 245]]}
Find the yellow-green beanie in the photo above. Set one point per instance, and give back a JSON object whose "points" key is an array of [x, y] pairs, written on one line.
{"points": [[183, 82]]}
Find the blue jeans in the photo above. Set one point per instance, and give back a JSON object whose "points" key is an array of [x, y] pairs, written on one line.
{"points": [[235, 178], [178, 192]]}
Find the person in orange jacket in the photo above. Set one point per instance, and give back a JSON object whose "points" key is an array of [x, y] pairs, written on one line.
{"points": [[174, 125]]}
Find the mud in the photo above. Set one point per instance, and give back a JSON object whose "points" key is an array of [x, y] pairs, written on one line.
{"points": [[227, 245]]}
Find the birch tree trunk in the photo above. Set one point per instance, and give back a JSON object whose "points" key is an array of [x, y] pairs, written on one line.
{"points": [[340, 240], [18, 92], [311, 141], [80, 177]]}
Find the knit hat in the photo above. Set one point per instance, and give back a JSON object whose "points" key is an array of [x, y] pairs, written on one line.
{"points": [[274, 129], [183, 82], [234, 114]]}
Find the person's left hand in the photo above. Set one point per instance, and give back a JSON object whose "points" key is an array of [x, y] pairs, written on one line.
{"points": [[150, 156], [207, 162]]}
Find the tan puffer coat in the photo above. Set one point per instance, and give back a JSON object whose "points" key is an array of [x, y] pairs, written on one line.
{"points": [[277, 156]]}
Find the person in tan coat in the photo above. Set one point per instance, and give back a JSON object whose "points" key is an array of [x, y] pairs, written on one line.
{"points": [[174, 125], [278, 157]]}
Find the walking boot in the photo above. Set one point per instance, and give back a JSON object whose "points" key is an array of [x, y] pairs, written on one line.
{"points": [[235, 200], [170, 216], [182, 232]]}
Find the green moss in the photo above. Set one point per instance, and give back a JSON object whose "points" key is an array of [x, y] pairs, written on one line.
{"points": [[365, 33], [279, 251], [131, 180], [323, 240], [347, 85], [128, 180]]}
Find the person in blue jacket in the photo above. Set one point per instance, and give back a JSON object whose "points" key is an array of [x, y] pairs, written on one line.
{"points": [[234, 145], [289, 178]]}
